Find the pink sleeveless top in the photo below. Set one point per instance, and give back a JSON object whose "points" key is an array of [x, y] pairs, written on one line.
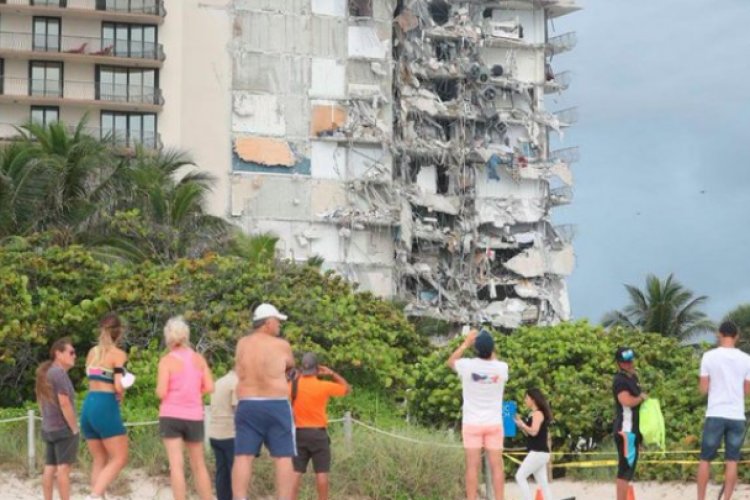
{"points": [[184, 399]]}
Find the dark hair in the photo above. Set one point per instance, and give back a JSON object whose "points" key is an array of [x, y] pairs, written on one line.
{"points": [[541, 403], [728, 329], [112, 326], [43, 389], [258, 323]]}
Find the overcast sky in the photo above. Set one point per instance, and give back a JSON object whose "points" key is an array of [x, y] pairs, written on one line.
{"points": [[663, 90]]}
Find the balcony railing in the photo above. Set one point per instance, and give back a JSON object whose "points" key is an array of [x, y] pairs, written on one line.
{"points": [[567, 116], [28, 42], [77, 90], [566, 155], [562, 43], [561, 196], [147, 7], [121, 139]]}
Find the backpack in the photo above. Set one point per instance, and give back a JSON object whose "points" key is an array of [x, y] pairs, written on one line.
{"points": [[652, 423]]}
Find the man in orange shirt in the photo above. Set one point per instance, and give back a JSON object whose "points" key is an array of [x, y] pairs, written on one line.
{"points": [[310, 397]]}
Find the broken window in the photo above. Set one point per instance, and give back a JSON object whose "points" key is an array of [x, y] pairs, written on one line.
{"points": [[443, 181], [447, 90], [360, 8]]}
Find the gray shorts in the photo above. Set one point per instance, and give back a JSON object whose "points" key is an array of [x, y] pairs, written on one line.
{"points": [[62, 447], [190, 431]]}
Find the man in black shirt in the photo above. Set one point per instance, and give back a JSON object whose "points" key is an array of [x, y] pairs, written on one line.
{"points": [[628, 398]]}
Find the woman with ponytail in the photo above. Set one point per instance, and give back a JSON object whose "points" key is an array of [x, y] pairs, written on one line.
{"points": [[101, 421], [536, 428], [56, 397]]}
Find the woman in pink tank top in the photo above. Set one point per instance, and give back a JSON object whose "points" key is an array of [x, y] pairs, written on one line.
{"points": [[183, 378]]}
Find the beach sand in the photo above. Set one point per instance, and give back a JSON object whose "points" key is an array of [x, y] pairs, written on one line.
{"points": [[15, 486]]}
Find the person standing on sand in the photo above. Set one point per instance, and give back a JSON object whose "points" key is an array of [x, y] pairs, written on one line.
{"points": [[101, 421], [483, 380], [221, 432], [56, 397], [725, 378], [628, 398], [536, 429], [264, 414], [310, 397], [183, 378]]}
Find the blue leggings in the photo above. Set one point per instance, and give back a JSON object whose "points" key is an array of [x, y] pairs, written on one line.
{"points": [[100, 416]]}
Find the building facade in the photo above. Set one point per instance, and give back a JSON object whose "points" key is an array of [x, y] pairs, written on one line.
{"points": [[406, 142]]}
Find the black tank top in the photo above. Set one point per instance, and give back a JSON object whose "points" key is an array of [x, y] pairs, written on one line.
{"points": [[538, 442]]}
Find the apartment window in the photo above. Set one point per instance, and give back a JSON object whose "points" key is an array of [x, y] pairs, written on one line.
{"points": [[360, 8], [44, 115], [47, 34], [49, 3], [46, 78], [129, 129], [137, 6], [127, 84], [130, 40]]}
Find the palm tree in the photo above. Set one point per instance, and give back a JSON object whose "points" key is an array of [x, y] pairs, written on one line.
{"points": [[664, 307], [80, 172], [24, 185], [160, 212]]}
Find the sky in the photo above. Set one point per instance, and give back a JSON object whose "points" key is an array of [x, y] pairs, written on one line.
{"points": [[663, 185]]}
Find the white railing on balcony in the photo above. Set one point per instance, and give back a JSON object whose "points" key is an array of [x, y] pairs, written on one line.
{"points": [[566, 155], [149, 7], [128, 139], [562, 43], [561, 196], [80, 45], [567, 116], [70, 89], [560, 81]]}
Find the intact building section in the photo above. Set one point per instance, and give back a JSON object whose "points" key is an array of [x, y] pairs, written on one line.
{"points": [[311, 129], [472, 159]]}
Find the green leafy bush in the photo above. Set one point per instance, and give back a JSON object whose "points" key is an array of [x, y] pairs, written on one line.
{"points": [[573, 364], [54, 291]]}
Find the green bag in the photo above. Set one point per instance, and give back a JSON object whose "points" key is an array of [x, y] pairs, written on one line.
{"points": [[652, 423]]}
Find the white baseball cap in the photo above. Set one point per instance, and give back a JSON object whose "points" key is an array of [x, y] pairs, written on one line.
{"points": [[264, 311]]}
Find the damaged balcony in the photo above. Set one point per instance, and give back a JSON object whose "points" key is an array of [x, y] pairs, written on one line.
{"points": [[561, 196], [561, 43], [557, 82]]}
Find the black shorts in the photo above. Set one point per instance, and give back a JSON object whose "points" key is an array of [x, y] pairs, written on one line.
{"points": [[190, 431], [627, 444], [315, 445], [62, 447]]}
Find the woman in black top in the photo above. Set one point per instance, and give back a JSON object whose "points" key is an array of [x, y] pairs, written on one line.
{"points": [[536, 429]]}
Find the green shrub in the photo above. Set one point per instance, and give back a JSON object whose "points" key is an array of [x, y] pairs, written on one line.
{"points": [[573, 364]]}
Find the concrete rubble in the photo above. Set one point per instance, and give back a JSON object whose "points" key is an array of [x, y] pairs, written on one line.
{"points": [[407, 143]]}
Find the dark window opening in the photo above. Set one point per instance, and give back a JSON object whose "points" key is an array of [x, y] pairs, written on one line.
{"points": [[46, 36], [440, 11], [447, 90], [127, 85], [443, 181], [45, 79], [44, 115], [2, 76], [444, 51], [48, 3], [360, 8], [130, 40], [496, 293], [129, 129]]}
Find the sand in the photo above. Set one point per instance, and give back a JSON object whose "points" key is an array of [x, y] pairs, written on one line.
{"points": [[18, 487]]}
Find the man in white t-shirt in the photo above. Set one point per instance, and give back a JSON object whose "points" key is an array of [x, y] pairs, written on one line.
{"points": [[482, 381], [725, 377]]}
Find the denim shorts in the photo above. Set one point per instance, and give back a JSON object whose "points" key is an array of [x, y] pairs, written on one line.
{"points": [[266, 421], [716, 430]]}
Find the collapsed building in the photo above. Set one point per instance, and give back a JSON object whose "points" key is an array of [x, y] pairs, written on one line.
{"points": [[407, 143]]}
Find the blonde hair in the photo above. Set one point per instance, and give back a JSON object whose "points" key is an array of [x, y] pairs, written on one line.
{"points": [[176, 332]]}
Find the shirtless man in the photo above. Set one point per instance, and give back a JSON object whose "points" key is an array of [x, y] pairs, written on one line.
{"points": [[263, 414]]}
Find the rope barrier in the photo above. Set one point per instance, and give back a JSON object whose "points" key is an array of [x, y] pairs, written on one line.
{"points": [[510, 453], [16, 419]]}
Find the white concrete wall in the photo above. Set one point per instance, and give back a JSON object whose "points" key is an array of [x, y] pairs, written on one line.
{"points": [[196, 83]]}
